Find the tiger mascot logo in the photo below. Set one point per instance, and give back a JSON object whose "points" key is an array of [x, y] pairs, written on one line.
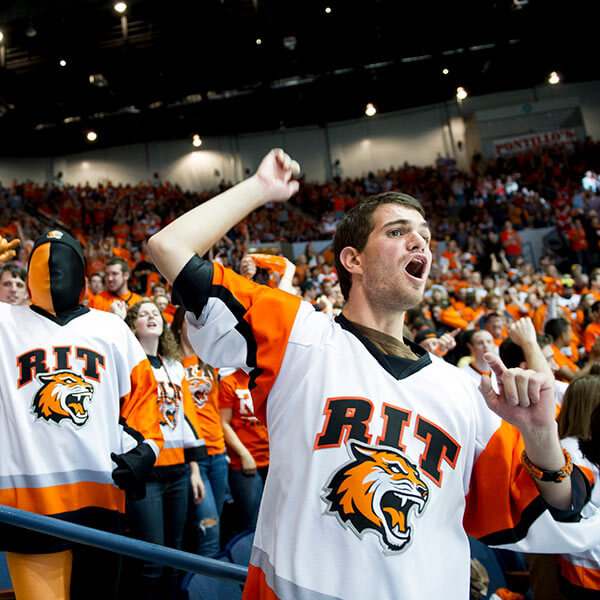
{"points": [[63, 395], [200, 387], [375, 492], [169, 410]]}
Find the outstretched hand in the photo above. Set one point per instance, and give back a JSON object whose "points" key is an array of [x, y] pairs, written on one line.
{"points": [[522, 332], [275, 174], [7, 249], [525, 398]]}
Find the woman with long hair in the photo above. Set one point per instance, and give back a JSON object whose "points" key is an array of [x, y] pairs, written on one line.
{"points": [[204, 387], [160, 516], [580, 573]]}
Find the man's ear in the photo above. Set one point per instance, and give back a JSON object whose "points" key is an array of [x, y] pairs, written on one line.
{"points": [[350, 259]]}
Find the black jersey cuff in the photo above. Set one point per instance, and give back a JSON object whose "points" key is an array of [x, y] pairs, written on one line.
{"points": [[581, 491], [192, 286]]}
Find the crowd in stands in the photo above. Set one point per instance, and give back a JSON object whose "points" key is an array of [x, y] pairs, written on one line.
{"points": [[481, 286]]}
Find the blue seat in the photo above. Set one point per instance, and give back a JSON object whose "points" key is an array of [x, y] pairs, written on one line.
{"points": [[195, 586], [487, 557], [239, 548], [5, 582]]}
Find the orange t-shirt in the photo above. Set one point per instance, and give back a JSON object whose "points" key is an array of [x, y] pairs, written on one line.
{"points": [[205, 393], [103, 300], [96, 265], [234, 394], [589, 335], [563, 361]]}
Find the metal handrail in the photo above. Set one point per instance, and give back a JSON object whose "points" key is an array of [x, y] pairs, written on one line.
{"points": [[124, 545]]}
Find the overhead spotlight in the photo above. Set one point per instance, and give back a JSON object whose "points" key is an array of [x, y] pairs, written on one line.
{"points": [[445, 71], [62, 62], [196, 141], [1, 36], [91, 136], [328, 9], [258, 41], [553, 79], [461, 93], [120, 7], [370, 109], [31, 31]]}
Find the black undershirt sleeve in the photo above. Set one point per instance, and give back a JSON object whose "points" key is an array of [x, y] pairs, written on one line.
{"points": [[192, 286]]}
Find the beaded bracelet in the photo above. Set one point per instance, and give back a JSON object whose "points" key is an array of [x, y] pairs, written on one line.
{"points": [[542, 475]]}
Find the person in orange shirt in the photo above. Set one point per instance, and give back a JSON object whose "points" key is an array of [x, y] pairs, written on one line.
{"points": [[592, 331], [560, 332], [247, 446], [116, 274], [511, 242], [204, 387], [495, 323], [595, 283], [579, 244]]}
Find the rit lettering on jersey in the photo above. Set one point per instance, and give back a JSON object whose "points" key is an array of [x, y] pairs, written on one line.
{"points": [[64, 395], [378, 488], [169, 400]]}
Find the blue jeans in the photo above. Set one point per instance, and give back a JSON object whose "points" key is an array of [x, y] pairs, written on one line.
{"points": [[247, 492], [159, 518], [213, 470]]}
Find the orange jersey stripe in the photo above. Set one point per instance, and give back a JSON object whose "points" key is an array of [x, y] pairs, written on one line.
{"points": [[58, 499], [506, 499], [256, 587], [581, 576]]}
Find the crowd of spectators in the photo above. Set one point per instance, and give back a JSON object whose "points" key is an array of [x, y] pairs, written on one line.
{"points": [[481, 281]]}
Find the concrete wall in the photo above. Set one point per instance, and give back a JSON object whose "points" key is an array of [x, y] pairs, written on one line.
{"points": [[361, 145]]}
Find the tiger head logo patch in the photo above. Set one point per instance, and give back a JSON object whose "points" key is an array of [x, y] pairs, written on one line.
{"points": [[376, 492], [63, 395], [200, 387], [169, 410]]}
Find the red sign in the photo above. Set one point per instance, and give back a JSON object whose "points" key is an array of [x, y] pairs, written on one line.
{"points": [[533, 141]]}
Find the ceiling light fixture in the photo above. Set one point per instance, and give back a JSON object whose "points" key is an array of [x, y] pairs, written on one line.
{"points": [[91, 136], [258, 41], [62, 62], [196, 141], [120, 7], [553, 78], [445, 71], [328, 10], [461, 93], [370, 109]]}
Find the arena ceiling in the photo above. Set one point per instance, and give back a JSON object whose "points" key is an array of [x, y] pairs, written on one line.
{"points": [[193, 66]]}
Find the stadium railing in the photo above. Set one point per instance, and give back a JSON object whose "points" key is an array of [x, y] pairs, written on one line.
{"points": [[124, 545]]}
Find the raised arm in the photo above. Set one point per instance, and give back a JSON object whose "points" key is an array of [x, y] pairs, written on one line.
{"points": [[199, 229]]}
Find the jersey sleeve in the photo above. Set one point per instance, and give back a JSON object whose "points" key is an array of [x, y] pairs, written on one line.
{"points": [[505, 508], [234, 322], [194, 446]]}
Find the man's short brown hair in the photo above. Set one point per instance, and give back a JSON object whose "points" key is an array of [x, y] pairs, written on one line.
{"points": [[356, 226]]}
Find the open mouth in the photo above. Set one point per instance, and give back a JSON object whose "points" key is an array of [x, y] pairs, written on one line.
{"points": [[416, 267], [396, 510], [75, 404]]}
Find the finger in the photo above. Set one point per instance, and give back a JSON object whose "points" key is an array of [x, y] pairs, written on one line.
{"points": [[455, 332], [534, 387], [487, 391], [509, 388], [293, 187], [522, 385], [295, 168], [495, 364]]}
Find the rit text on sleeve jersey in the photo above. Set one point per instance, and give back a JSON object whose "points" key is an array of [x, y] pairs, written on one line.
{"points": [[376, 461]]}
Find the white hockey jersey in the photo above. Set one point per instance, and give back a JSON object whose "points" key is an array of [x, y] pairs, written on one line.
{"points": [[69, 396], [378, 464]]}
